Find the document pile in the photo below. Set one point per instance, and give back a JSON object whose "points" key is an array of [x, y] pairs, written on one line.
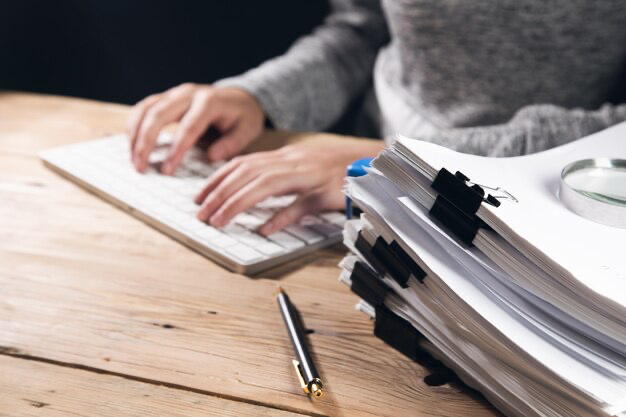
{"points": [[477, 261]]}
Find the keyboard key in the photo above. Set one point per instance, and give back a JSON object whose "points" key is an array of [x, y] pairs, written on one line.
{"points": [[244, 253], [163, 210], [327, 229], [158, 155], [170, 182], [188, 207], [252, 239], [204, 171], [139, 195], [196, 165], [310, 220], [235, 230], [192, 224], [189, 191], [223, 241], [270, 249], [178, 217], [262, 214], [149, 201], [276, 202], [164, 139], [182, 172], [178, 200], [286, 241], [248, 221], [207, 232], [334, 217], [304, 233]]}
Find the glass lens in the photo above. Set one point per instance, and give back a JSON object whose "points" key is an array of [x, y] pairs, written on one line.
{"points": [[606, 184]]}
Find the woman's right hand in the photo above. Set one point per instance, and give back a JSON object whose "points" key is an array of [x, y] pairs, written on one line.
{"points": [[233, 111]]}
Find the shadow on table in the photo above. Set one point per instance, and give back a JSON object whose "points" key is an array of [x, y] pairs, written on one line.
{"points": [[323, 259]]}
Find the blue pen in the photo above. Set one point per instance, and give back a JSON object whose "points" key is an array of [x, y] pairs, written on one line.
{"points": [[356, 169]]}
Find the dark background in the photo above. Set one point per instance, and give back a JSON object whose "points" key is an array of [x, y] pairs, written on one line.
{"points": [[124, 50]]}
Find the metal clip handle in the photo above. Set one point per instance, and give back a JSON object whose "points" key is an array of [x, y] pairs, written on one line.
{"points": [[303, 384], [316, 384], [504, 194]]}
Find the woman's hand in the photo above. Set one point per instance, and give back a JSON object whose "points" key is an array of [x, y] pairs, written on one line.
{"points": [[234, 112], [314, 171]]}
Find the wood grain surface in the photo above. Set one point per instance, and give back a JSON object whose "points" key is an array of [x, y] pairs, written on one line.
{"points": [[35, 389], [85, 284]]}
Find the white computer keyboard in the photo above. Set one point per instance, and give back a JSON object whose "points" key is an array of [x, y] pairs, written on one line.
{"points": [[166, 202]]}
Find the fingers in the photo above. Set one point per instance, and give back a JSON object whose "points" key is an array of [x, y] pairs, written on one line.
{"points": [[231, 143], [169, 108], [233, 111], [136, 117], [240, 130], [260, 159], [304, 204], [216, 178], [265, 185], [193, 124], [237, 178]]}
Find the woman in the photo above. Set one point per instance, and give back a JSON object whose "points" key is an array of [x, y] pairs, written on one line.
{"points": [[495, 77]]}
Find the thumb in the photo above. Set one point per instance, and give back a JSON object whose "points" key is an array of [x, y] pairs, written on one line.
{"points": [[230, 144], [303, 205]]}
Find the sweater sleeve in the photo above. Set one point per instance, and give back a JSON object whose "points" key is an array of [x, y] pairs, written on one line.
{"points": [[533, 129], [310, 86]]}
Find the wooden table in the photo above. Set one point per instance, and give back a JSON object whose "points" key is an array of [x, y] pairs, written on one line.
{"points": [[102, 315]]}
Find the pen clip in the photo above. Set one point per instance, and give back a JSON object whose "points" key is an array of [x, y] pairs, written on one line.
{"points": [[296, 365]]}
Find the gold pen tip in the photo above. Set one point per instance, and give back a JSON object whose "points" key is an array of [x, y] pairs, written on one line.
{"points": [[280, 290], [316, 390]]}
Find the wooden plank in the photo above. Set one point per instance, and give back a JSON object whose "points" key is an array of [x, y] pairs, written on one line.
{"points": [[84, 283], [29, 388]]}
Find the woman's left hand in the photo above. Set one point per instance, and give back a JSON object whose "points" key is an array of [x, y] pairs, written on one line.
{"points": [[314, 171]]}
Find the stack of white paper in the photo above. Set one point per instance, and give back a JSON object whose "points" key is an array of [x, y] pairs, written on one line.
{"points": [[534, 313]]}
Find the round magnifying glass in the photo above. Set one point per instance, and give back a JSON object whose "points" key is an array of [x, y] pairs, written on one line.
{"points": [[596, 189]]}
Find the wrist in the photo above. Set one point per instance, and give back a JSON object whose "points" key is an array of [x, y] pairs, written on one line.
{"points": [[364, 148]]}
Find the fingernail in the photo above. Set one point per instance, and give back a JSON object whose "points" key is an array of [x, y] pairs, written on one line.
{"points": [[267, 229], [199, 199], [217, 219], [203, 214]]}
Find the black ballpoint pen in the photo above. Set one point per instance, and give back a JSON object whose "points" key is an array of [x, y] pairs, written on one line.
{"points": [[305, 368]]}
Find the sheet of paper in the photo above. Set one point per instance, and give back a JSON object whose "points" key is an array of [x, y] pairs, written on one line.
{"points": [[551, 292], [580, 375], [539, 224]]}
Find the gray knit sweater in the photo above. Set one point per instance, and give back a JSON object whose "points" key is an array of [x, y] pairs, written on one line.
{"points": [[489, 77]]}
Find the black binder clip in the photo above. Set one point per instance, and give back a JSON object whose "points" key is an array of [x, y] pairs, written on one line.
{"points": [[365, 249], [367, 285], [397, 333], [415, 269], [406, 339], [455, 189], [468, 195], [458, 201], [394, 265], [463, 226], [389, 259]]}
